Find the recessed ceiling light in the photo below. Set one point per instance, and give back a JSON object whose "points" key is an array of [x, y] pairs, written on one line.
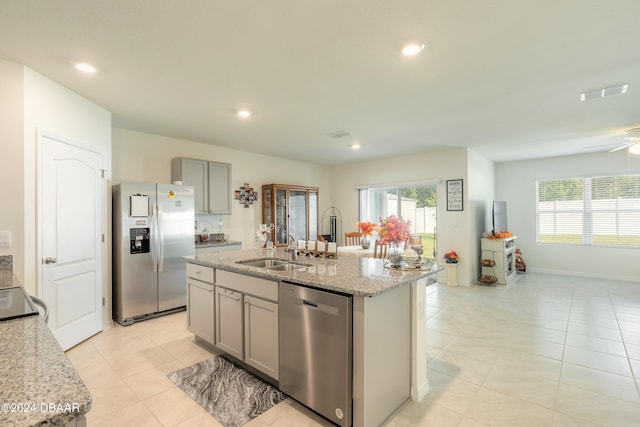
{"points": [[85, 67], [635, 148], [244, 113], [412, 49], [355, 146]]}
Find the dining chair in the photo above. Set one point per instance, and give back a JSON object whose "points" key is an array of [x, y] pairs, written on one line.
{"points": [[352, 238], [380, 249]]}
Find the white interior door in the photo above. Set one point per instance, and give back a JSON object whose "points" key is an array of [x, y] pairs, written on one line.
{"points": [[71, 198]]}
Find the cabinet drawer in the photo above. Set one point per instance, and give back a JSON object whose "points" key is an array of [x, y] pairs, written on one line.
{"points": [[200, 272], [263, 288]]}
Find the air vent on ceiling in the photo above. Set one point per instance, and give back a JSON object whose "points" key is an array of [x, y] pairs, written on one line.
{"points": [[338, 134], [605, 91]]}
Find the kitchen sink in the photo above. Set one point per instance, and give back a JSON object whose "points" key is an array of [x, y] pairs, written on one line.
{"points": [[289, 267], [275, 264], [264, 262]]}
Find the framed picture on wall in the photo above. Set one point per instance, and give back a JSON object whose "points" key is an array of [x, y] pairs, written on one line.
{"points": [[454, 195]]}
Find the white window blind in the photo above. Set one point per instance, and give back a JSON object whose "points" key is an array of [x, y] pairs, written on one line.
{"points": [[601, 211]]}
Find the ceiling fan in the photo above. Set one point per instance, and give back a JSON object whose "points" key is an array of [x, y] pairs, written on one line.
{"points": [[632, 141]]}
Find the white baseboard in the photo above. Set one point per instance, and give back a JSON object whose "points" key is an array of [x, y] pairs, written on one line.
{"points": [[623, 278]]}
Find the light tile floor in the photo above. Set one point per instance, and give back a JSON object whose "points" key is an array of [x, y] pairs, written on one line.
{"points": [[543, 351]]}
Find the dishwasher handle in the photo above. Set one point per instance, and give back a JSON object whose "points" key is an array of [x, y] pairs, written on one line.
{"points": [[309, 303]]}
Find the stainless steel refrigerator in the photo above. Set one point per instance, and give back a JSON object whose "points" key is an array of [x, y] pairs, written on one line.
{"points": [[153, 226]]}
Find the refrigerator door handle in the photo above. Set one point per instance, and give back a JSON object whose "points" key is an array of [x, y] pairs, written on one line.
{"points": [[160, 240], [154, 238]]}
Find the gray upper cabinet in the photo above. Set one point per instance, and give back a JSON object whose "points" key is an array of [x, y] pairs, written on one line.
{"points": [[219, 188], [211, 182]]}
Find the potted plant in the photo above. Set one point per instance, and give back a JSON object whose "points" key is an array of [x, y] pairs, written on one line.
{"points": [[366, 228]]}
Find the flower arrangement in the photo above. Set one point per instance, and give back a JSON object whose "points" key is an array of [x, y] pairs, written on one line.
{"points": [[451, 257], [394, 229], [367, 228]]}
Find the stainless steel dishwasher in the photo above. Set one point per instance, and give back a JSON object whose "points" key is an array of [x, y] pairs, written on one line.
{"points": [[315, 329]]}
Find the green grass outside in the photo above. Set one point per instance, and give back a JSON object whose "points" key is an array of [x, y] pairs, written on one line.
{"points": [[427, 244]]}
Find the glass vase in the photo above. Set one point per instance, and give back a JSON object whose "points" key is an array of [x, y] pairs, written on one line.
{"points": [[365, 241], [394, 255]]}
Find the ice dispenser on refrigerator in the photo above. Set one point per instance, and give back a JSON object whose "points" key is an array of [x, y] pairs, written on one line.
{"points": [[139, 240]]}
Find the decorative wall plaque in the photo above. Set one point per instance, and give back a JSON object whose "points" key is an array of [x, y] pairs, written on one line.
{"points": [[246, 195], [454, 195]]}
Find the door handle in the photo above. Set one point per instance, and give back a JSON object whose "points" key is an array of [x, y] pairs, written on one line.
{"points": [[49, 260]]}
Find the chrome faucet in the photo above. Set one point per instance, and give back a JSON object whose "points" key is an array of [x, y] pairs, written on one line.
{"points": [[292, 248]]}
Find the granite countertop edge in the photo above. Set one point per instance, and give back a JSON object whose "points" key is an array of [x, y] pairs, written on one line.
{"points": [[212, 244], [37, 373], [351, 275]]}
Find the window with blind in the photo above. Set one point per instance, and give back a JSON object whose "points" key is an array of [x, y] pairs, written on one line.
{"points": [[603, 211]]}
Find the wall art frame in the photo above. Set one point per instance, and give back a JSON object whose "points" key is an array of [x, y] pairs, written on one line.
{"points": [[455, 201]]}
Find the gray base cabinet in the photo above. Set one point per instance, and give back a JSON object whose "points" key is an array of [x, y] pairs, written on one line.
{"points": [[247, 320], [238, 315], [200, 302], [260, 334], [200, 319], [229, 331]]}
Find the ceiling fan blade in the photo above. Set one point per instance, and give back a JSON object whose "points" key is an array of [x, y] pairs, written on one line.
{"points": [[621, 147]]}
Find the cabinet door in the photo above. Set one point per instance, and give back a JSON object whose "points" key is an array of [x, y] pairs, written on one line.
{"points": [[281, 230], [200, 318], [261, 335], [298, 214], [313, 215], [219, 188], [229, 328], [267, 198], [194, 173]]}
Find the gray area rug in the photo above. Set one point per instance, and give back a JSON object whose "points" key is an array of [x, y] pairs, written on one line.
{"points": [[229, 393]]}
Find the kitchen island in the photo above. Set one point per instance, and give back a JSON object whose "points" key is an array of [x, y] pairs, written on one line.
{"points": [[388, 321], [39, 384]]}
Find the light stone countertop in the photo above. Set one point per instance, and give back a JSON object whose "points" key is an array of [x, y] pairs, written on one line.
{"points": [[8, 279], [351, 275], [38, 382], [211, 244]]}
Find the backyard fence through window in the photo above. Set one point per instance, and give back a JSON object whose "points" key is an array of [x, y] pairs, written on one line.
{"points": [[603, 211]]}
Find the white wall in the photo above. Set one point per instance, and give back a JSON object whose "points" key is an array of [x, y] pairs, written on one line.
{"points": [[29, 100], [147, 157], [481, 191], [12, 161], [52, 107], [515, 183], [453, 227]]}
